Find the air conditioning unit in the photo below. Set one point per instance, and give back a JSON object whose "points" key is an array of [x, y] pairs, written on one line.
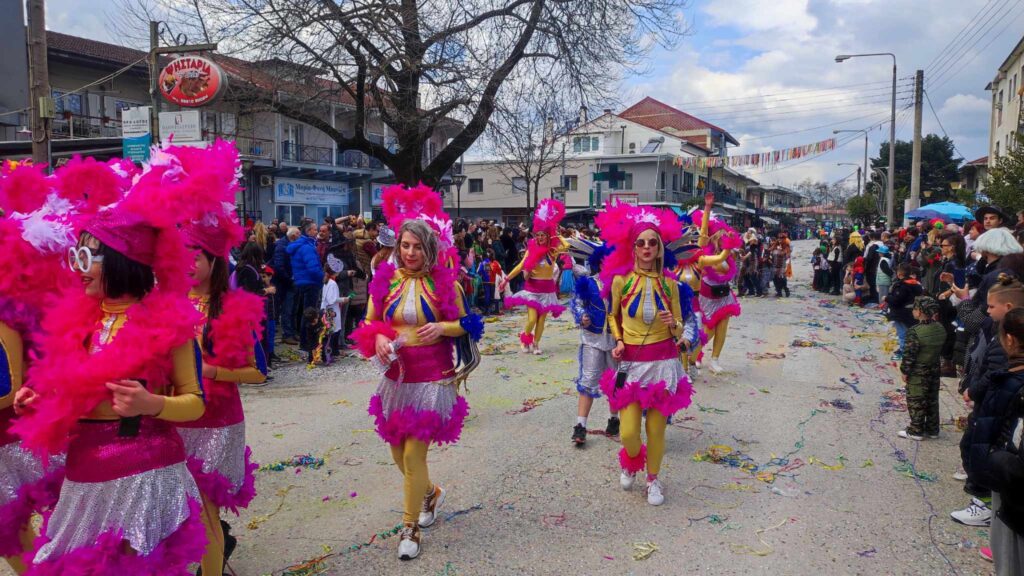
{"points": [[266, 181]]}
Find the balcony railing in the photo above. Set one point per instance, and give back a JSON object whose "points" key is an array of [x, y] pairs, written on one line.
{"points": [[69, 126], [248, 146], [321, 155]]}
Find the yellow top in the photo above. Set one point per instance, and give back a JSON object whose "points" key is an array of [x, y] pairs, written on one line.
{"points": [[636, 300], [184, 401], [545, 269], [410, 304], [248, 375], [12, 349], [690, 273]]}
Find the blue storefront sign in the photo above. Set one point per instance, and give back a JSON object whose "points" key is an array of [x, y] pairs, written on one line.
{"points": [[310, 192]]}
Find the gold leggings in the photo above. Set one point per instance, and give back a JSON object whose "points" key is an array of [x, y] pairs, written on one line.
{"points": [[213, 558], [535, 324], [411, 459], [27, 536], [717, 336], [629, 433]]}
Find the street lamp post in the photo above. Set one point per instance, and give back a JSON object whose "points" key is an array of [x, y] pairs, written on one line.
{"points": [[458, 180], [890, 193], [858, 172], [859, 189]]}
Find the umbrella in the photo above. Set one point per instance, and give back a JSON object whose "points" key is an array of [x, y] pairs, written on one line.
{"points": [[926, 214], [951, 211]]}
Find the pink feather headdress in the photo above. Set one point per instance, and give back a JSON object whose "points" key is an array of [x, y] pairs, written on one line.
{"points": [[548, 216], [621, 224]]}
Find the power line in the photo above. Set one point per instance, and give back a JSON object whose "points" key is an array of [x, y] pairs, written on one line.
{"points": [[834, 88], [952, 42], [873, 115], [1009, 21], [819, 100], [812, 97], [801, 112], [951, 56], [941, 127]]}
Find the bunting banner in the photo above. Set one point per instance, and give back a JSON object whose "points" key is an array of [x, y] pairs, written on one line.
{"points": [[762, 160]]}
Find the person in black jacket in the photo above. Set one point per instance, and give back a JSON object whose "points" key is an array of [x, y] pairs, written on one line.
{"points": [[900, 303], [1005, 463], [284, 299], [986, 359]]}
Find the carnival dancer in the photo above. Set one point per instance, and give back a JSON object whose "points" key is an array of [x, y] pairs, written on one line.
{"points": [[218, 457], [645, 320], [540, 293], [715, 296], [590, 309], [122, 367], [31, 258], [416, 319]]}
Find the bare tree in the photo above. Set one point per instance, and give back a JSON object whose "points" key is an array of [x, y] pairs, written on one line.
{"points": [[415, 66]]}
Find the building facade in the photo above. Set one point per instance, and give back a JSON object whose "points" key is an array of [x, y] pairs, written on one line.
{"points": [[1007, 104], [291, 170]]}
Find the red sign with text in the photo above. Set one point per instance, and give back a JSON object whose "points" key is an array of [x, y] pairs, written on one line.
{"points": [[191, 81]]}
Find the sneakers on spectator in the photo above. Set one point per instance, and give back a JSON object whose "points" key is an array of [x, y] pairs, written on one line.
{"points": [[613, 427], [960, 475], [977, 514], [896, 356], [579, 435], [909, 436]]}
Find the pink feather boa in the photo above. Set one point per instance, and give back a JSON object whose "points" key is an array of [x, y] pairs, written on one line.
{"points": [[29, 276], [534, 254], [365, 336], [71, 382], [633, 464], [172, 557], [35, 497], [23, 188], [380, 284], [233, 330], [424, 425], [220, 490], [655, 396]]}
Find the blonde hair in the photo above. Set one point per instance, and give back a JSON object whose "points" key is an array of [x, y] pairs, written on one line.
{"points": [[1009, 290], [262, 235]]}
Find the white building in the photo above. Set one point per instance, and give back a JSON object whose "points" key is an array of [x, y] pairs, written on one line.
{"points": [[1007, 104]]}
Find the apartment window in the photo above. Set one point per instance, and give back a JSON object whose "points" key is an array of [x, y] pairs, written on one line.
{"points": [[476, 185], [570, 182], [519, 185], [661, 181], [675, 182], [64, 102], [586, 144], [999, 111], [688, 182]]}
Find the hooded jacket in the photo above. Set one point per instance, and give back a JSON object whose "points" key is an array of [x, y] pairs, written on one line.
{"points": [[306, 268]]}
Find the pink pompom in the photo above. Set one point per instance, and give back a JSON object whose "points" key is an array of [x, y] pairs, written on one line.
{"points": [[365, 336]]}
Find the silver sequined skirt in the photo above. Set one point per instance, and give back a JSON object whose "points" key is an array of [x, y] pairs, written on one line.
{"points": [[651, 372], [221, 450], [436, 397], [18, 467], [146, 508]]}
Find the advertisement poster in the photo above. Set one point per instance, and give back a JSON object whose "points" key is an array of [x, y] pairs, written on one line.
{"points": [[136, 133]]}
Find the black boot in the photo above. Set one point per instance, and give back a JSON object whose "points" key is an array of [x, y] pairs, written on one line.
{"points": [[613, 426], [230, 542], [579, 435]]}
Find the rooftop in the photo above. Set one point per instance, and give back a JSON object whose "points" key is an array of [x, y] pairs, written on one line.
{"points": [[660, 116]]}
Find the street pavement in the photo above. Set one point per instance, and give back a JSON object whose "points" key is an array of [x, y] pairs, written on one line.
{"points": [[786, 463]]}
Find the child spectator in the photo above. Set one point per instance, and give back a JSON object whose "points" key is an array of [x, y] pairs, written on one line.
{"points": [[860, 284], [884, 274], [780, 260], [899, 301], [920, 368], [331, 302]]}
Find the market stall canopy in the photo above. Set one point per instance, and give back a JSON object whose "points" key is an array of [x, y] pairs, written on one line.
{"points": [[949, 211]]}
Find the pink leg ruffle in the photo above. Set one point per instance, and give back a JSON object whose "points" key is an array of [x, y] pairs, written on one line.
{"points": [[654, 396], [526, 338], [34, 497], [723, 312], [423, 425], [172, 557], [633, 464], [220, 490]]}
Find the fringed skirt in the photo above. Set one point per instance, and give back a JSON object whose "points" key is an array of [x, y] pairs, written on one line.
{"points": [[539, 295], [417, 399], [654, 378], [128, 506]]}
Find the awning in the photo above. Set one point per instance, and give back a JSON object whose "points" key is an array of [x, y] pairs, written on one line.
{"points": [[769, 220]]}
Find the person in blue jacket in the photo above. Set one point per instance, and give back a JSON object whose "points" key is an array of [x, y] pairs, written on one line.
{"points": [[307, 279]]}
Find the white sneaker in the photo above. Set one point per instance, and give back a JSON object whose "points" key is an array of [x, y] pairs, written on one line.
{"points": [[626, 480], [909, 436], [654, 494], [694, 373], [960, 475], [697, 364], [431, 503], [537, 351], [716, 368], [409, 543], [977, 514]]}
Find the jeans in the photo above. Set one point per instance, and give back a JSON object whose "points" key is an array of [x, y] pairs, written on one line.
{"points": [[270, 330], [901, 333], [752, 284], [306, 296], [883, 291], [286, 309], [766, 279]]}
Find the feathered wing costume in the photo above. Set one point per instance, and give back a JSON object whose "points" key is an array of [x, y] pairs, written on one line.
{"points": [[124, 487]]}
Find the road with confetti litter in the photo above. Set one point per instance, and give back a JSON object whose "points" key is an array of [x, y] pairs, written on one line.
{"points": [[787, 463]]}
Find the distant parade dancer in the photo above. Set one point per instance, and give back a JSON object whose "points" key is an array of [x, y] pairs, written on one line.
{"points": [[590, 309], [540, 293], [422, 335], [717, 302], [645, 318]]}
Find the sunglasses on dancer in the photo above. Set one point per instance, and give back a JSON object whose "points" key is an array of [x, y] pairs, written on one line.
{"points": [[650, 243], [81, 258]]}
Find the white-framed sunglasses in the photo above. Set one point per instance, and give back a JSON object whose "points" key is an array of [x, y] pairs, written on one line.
{"points": [[81, 258]]}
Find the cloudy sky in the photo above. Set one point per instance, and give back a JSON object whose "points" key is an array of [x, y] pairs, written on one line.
{"points": [[765, 71]]}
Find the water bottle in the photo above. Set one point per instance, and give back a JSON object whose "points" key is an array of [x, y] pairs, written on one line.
{"points": [[392, 356]]}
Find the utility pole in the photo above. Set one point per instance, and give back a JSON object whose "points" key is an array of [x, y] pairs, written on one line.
{"points": [[914, 201], [154, 75], [40, 98]]}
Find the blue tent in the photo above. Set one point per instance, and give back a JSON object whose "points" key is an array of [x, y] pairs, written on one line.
{"points": [[950, 211]]}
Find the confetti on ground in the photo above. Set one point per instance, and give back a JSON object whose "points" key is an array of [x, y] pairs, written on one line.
{"points": [[316, 566], [342, 402], [839, 465], [838, 404], [852, 383], [907, 469], [766, 355], [643, 550], [712, 410], [531, 403], [869, 553], [867, 463], [259, 520], [767, 549], [893, 401], [298, 461], [452, 515], [554, 520]]}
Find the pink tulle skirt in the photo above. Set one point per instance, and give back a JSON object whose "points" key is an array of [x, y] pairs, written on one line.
{"points": [[431, 412], [221, 464], [655, 384], [542, 302], [713, 309]]}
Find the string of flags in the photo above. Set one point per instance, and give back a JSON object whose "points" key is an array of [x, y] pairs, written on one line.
{"points": [[765, 160]]}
